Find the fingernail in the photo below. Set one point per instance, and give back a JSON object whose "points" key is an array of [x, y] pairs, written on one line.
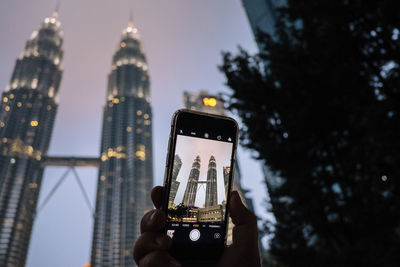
{"points": [[163, 241], [154, 215]]}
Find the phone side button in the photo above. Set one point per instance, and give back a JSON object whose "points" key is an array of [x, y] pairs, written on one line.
{"points": [[166, 161]]}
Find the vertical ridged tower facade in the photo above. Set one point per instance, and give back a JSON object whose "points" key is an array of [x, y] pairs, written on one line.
{"points": [[211, 191], [189, 198], [174, 183], [126, 169], [27, 113]]}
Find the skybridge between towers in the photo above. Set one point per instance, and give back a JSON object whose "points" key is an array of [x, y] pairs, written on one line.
{"points": [[71, 163]]}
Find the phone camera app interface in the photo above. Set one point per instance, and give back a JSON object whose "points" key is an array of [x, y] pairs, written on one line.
{"points": [[199, 186]]}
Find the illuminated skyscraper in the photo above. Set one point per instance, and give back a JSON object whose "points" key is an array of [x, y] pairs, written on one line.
{"points": [[174, 183], [126, 169], [211, 191], [189, 198], [27, 112], [226, 171]]}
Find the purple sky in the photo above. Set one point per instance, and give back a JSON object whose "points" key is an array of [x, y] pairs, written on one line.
{"points": [[183, 41]]}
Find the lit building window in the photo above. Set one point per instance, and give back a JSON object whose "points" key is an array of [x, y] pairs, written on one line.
{"points": [[140, 152], [146, 116], [51, 91], [211, 102], [147, 122], [5, 140], [34, 83], [116, 100], [33, 185], [138, 121], [7, 108], [120, 148], [48, 107], [19, 104], [34, 123], [138, 130], [129, 129], [5, 99], [2, 124], [11, 96], [102, 177], [123, 44], [139, 112], [36, 54], [15, 84]]}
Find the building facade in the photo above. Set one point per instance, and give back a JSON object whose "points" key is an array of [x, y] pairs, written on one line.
{"points": [[226, 172], [126, 169], [27, 113], [211, 189], [189, 198], [262, 15], [174, 183], [214, 213]]}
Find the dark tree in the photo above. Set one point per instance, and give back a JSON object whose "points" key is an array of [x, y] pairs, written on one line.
{"points": [[324, 115]]}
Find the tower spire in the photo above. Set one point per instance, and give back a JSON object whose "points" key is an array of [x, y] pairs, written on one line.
{"points": [[130, 24], [57, 9]]}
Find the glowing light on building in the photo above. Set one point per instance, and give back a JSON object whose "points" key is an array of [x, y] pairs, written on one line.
{"points": [[211, 102], [34, 83]]}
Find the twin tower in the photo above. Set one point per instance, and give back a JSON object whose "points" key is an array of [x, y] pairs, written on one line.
{"points": [[189, 197], [27, 113]]}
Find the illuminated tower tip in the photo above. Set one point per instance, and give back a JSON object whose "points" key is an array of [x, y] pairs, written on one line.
{"points": [[57, 9]]}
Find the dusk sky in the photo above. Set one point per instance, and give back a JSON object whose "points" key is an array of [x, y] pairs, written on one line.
{"points": [[182, 40]]}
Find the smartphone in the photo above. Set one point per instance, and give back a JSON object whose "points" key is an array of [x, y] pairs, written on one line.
{"points": [[198, 179]]}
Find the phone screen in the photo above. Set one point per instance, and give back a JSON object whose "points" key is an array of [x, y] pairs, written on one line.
{"points": [[199, 187]]}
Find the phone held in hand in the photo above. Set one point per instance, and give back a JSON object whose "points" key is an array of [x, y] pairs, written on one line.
{"points": [[198, 179]]}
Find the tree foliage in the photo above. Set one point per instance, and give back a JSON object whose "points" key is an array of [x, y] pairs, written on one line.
{"points": [[324, 114]]}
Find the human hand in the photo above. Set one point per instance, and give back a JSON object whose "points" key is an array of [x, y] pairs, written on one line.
{"points": [[244, 249], [151, 248]]}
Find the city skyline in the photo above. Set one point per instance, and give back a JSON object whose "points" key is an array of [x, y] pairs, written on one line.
{"points": [[88, 81]]}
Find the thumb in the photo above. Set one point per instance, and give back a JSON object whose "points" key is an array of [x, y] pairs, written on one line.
{"points": [[245, 232], [239, 214]]}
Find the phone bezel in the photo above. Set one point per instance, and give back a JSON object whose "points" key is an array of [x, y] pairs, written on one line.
{"points": [[194, 119]]}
